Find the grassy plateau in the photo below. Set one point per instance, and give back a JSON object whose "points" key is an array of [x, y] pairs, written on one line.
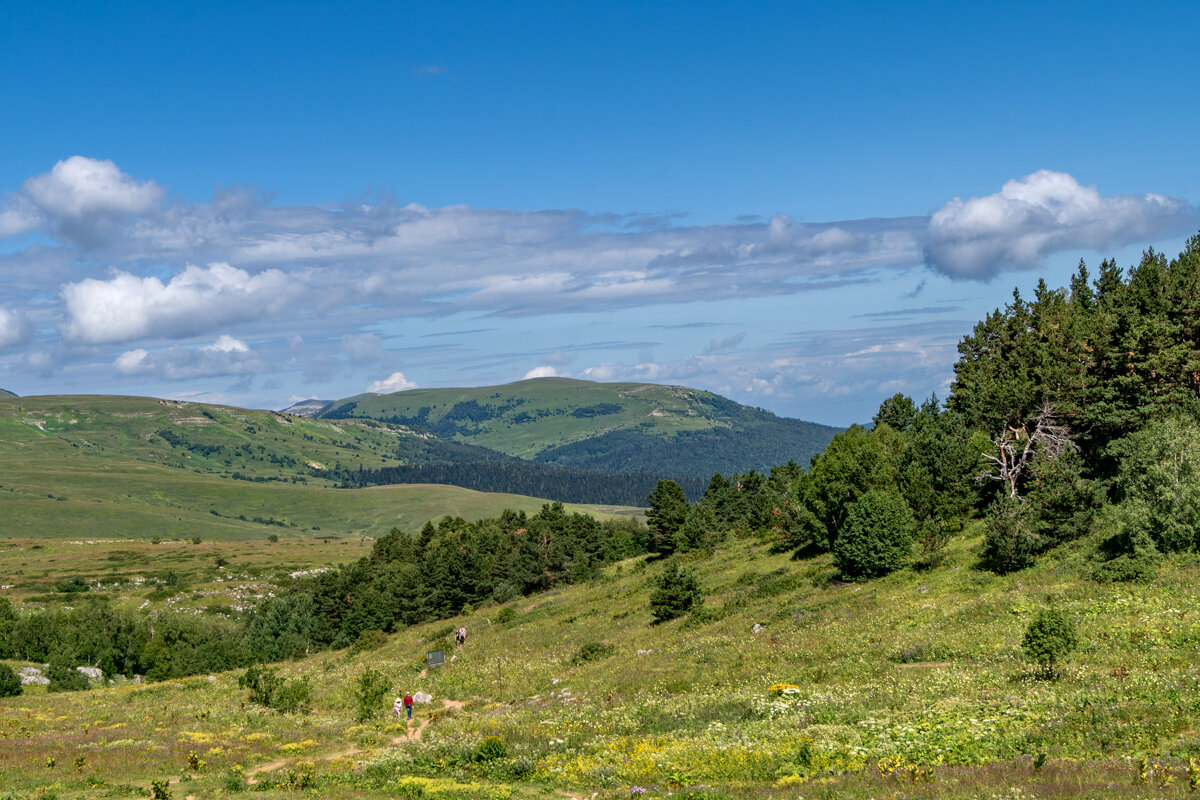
{"points": [[82, 466]]}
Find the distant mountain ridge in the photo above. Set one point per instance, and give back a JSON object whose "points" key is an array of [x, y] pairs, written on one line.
{"points": [[674, 431], [7, 393]]}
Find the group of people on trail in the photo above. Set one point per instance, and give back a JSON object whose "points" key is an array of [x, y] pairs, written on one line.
{"points": [[404, 705]]}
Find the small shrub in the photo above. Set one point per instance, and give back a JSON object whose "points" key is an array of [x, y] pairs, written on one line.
{"points": [[490, 749], [1136, 568], [234, 781], [876, 538], [73, 585], [1049, 638], [506, 615], [521, 767], [274, 537], [10, 683], [368, 640], [1130, 556], [195, 540], [702, 615], [160, 790], [675, 592], [65, 678], [270, 690], [592, 651], [295, 696], [934, 535], [371, 694], [1010, 543], [505, 591]]}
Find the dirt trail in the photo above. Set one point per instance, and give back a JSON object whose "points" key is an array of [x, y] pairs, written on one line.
{"points": [[413, 734], [418, 731]]}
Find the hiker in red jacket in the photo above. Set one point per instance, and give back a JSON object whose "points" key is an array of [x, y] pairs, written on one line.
{"points": [[408, 704]]}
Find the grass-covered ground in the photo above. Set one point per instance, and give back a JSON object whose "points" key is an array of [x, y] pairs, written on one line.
{"points": [[910, 686], [129, 467]]}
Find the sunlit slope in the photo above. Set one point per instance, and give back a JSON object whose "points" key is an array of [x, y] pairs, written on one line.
{"points": [[616, 427], [128, 466], [914, 674]]}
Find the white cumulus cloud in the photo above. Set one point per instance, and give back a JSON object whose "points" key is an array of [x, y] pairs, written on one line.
{"points": [[396, 382], [544, 371], [1040, 214], [126, 307], [80, 186], [77, 198]]}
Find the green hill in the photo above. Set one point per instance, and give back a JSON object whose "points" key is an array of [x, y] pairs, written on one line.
{"points": [[606, 427], [131, 466], [6, 393]]}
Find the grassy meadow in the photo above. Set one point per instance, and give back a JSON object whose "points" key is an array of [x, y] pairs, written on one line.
{"points": [[910, 686]]}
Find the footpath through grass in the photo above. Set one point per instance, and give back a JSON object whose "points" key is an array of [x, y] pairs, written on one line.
{"points": [[910, 686]]}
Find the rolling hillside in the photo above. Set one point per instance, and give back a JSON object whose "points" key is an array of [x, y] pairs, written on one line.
{"points": [[142, 467], [604, 427], [911, 686]]}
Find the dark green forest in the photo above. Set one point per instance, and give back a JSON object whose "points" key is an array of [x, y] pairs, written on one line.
{"points": [[501, 473]]}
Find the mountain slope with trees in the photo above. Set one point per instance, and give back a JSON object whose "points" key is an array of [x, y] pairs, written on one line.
{"points": [[600, 427]]}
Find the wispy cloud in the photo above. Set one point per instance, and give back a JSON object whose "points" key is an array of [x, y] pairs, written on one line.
{"points": [[909, 312], [15, 328], [728, 343], [225, 356]]}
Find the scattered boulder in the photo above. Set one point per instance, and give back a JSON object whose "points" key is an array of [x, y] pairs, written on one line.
{"points": [[91, 673], [423, 698], [758, 628], [644, 652], [32, 675]]}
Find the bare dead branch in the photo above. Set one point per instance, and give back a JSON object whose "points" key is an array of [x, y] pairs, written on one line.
{"points": [[1016, 448]]}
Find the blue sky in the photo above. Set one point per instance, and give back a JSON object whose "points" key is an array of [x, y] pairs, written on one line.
{"points": [[800, 206]]}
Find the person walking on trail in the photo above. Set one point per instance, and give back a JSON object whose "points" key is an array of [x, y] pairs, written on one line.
{"points": [[408, 703], [397, 706], [461, 636]]}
